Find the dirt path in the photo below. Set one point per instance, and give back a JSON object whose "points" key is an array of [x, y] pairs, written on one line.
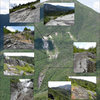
{"points": [[41, 77], [66, 20], [71, 36]]}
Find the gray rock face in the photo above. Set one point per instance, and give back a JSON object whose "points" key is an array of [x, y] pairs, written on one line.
{"points": [[14, 62], [26, 15], [22, 90], [84, 62], [81, 93], [17, 67], [11, 42], [66, 20]]}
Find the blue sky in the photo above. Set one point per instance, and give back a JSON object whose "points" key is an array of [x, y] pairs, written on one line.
{"points": [[85, 45], [19, 28]]}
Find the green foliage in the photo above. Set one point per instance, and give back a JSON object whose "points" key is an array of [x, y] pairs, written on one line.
{"points": [[53, 15], [86, 84], [6, 31], [28, 6], [14, 81], [78, 50], [25, 68], [26, 29], [59, 94]]}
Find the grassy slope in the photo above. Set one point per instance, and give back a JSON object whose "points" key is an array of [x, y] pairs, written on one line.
{"points": [[58, 95], [86, 28], [27, 5]]}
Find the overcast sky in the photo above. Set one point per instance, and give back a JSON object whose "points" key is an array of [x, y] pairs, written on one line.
{"points": [[20, 54], [63, 4], [87, 78], [58, 83], [17, 2], [94, 4], [19, 28], [85, 45]]}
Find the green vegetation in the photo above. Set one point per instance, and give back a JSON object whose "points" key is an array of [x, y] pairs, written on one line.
{"points": [[27, 33], [53, 15], [78, 50], [58, 94], [29, 5], [14, 81], [27, 69], [86, 84], [26, 29]]}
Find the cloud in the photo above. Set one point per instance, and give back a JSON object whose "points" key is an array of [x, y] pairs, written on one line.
{"points": [[43, 0], [4, 7], [58, 83], [29, 54], [87, 78], [17, 2], [63, 4], [85, 45], [96, 6], [11, 29]]}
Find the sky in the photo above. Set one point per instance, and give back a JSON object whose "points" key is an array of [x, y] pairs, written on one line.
{"points": [[85, 45], [87, 78], [19, 28], [20, 54], [94, 4], [17, 2], [24, 80], [63, 4], [58, 83]]}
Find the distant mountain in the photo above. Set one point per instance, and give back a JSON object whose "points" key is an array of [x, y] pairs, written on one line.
{"points": [[66, 87], [50, 7]]}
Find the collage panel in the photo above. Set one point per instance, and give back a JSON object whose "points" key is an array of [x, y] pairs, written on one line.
{"points": [[21, 89], [24, 11], [59, 14], [83, 87], [85, 57], [59, 90], [18, 37], [18, 63]]}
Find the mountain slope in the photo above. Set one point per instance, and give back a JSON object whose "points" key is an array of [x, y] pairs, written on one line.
{"points": [[86, 28]]}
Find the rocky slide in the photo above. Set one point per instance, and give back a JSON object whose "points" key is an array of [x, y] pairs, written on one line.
{"points": [[26, 15], [66, 20]]}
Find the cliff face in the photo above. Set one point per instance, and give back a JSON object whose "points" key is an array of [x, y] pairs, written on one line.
{"points": [[84, 62], [22, 90], [19, 41]]}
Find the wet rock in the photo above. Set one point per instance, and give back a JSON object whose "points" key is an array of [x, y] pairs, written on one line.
{"points": [[22, 91]]}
